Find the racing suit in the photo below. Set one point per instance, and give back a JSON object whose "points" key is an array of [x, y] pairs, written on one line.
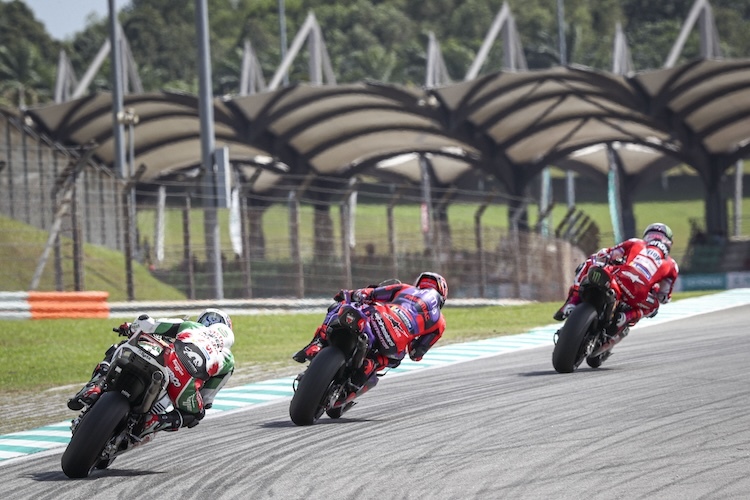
{"points": [[644, 272], [199, 365], [408, 317]]}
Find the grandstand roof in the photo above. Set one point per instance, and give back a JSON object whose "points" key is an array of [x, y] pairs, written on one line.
{"points": [[509, 124]]}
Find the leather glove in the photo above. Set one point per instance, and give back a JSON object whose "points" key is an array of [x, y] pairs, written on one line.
{"points": [[362, 296], [417, 350], [123, 330], [417, 353], [341, 296], [617, 256]]}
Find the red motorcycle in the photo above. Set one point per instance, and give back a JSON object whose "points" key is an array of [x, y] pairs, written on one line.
{"points": [[589, 333]]}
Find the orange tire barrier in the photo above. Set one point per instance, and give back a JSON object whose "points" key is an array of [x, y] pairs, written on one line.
{"points": [[56, 305]]}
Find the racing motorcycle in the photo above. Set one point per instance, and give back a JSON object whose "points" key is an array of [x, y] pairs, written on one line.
{"points": [[135, 387], [586, 333], [330, 382]]}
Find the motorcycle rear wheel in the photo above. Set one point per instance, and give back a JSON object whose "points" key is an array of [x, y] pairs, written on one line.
{"points": [[97, 427], [311, 397], [569, 350]]}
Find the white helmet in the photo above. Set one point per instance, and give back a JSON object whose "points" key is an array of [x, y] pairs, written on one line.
{"points": [[211, 316]]}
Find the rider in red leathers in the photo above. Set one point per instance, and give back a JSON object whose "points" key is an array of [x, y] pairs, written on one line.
{"points": [[643, 271], [409, 316]]}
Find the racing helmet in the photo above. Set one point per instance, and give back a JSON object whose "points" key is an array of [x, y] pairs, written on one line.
{"points": [[658, 232], [211, 316], [434, 281]]}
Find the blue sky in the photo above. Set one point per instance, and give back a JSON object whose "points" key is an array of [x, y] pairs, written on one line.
{"points": [[63, 18]]}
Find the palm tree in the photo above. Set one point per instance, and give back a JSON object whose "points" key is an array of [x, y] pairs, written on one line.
{"points": [[24, 77]]}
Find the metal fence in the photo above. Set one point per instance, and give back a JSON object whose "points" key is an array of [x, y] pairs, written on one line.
{"points": [[63, 213]]}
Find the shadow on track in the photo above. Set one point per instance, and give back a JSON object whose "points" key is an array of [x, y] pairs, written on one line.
{"points": [[96, 474]]}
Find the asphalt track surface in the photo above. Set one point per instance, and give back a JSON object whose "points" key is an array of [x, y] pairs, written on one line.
{"points": [[666, 417]]}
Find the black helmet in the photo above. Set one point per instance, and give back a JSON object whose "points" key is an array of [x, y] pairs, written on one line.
{"points": [[658, 232]]}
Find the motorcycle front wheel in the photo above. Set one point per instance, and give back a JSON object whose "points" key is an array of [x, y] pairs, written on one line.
{"points": [[311, 397], [97, 426], [570, 349]]}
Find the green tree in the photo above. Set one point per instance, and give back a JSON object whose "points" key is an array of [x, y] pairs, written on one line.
{"points": [[373, 39], [24, 77], [28, 56]]}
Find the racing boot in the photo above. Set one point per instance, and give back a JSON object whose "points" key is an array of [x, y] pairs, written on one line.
{"points": [[570, 303], [170, 421], [86, 396], [364, 380], [308, 352], [91, 391], [623, 321]]}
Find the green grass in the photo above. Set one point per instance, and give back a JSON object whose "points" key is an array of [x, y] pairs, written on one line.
{"points": [[42, 354], [370, 226], [104, 269]]}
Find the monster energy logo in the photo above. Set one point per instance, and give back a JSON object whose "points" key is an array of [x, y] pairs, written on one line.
{"points": [[597, 276]]}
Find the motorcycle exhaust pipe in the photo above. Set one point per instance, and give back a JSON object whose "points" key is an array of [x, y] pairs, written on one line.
{"points": [[369, 384], [610, 344], [361, 351], [152, 391]]}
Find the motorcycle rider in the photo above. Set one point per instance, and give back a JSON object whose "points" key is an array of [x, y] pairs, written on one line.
{"points": [[199, 363], [407, 310], [644, 271]]}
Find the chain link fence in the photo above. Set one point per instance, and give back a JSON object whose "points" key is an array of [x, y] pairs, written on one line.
{"points": [[67, 218]]}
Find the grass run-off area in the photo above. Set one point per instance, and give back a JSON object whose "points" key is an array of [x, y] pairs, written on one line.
{"points": [[370, 226], [104, 269], [41, 354]]}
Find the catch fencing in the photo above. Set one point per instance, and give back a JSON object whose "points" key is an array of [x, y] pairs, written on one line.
{"points": [[67, 222]]}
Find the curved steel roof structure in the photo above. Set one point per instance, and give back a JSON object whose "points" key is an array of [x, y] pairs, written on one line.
{"points": [[509, 124]]}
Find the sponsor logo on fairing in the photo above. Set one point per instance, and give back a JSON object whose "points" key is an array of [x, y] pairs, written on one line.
{"points": [[381, 331], [641, 269], [633, 277], [177, 366], [173, 378]]}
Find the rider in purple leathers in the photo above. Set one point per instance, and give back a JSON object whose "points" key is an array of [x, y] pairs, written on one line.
{"points": [[409, 315]]}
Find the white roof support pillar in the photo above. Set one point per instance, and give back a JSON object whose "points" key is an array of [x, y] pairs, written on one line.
{"points": [[514, 58], [129, 73], [251, 78], [320, 62], [622, 62], [709, 35], [437, 71]]}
